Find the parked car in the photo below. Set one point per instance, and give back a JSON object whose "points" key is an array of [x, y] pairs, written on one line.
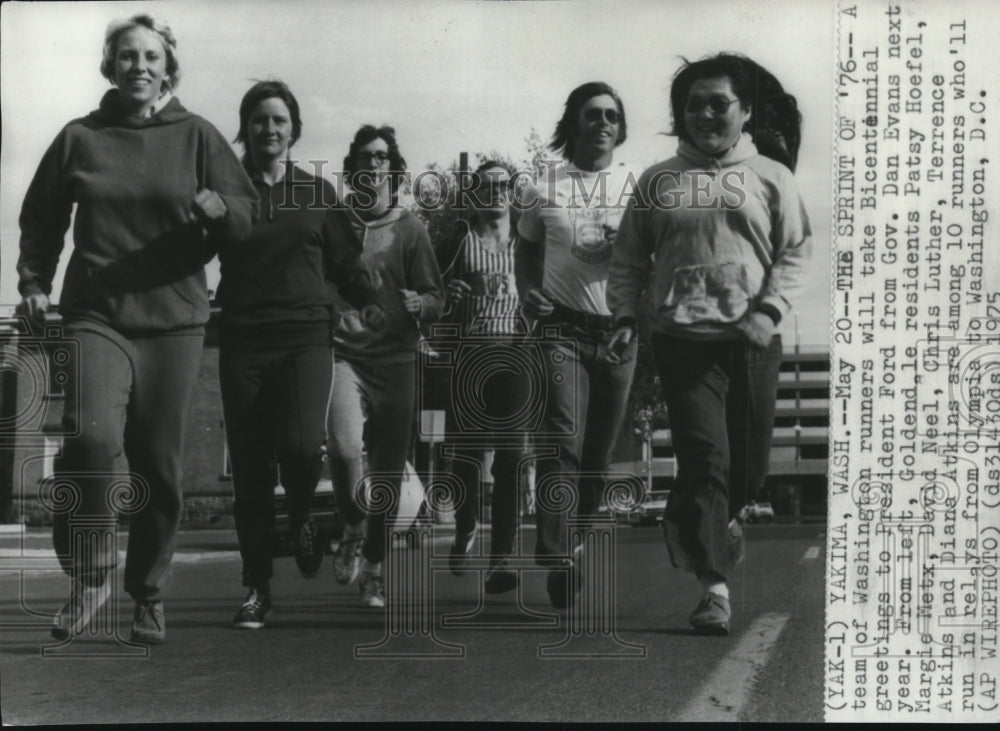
{"points": [[649, 512], [754, 512]]}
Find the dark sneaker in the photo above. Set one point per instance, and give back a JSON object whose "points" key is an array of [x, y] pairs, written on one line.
{"points": [[500, 578], [347, 560], [563, 584], [148, 623], [458, 557], [372, 590], [308, 551], [84, 602], [251, 614], [712, 615], [736, 551]]}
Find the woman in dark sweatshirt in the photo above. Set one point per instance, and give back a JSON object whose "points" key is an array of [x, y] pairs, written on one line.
{"points": [[275, 362], [157, 190], [374, 381]]}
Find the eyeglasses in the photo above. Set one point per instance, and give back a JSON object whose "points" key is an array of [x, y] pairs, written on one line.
{"points": [[719, 104], [596, 114], [379, 156]]}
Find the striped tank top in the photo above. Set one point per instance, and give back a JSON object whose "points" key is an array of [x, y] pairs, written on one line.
{"points": [[491, 308]]}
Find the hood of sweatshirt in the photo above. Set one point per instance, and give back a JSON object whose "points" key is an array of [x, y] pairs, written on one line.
{"points": [[112, 112], [742, 151], [387, 219]]}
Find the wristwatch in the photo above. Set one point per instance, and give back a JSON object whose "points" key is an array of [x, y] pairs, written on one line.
{"points": [[770, 310]]}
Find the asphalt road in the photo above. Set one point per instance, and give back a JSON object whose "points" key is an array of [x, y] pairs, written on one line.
{"points": [[635, 659]]}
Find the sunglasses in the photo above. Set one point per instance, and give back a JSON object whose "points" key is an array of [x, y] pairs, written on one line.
{"points": [[596, 114], [719, 104], [379, 157]]}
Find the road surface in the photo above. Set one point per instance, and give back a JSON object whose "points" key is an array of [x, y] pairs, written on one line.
{"points": [[634, 660]]}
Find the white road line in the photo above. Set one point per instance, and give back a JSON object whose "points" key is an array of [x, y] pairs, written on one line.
{"points": [[724, 695], [179, 556], [811, 553], [27, 552], [10, 554]]}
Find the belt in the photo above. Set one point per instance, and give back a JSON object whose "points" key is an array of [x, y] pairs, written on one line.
{"points": [[582, 320]]}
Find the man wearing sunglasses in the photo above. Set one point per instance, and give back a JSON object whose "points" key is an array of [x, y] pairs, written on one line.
{"points": [[566, 237]]}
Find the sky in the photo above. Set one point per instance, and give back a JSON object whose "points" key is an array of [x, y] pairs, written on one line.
{"points": [[449, 75]]}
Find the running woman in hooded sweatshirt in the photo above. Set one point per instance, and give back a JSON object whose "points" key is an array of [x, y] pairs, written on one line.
{"points": [[374, 382], [728, 239], [157, 190], [275, 362]]}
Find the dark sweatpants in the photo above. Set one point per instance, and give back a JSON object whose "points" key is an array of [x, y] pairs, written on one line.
{"points": [[126, 408], [490, 402], [721, 399], [274, 398]]}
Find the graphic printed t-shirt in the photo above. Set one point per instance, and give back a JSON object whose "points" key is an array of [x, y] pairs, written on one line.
{"points": [[575, 215]]}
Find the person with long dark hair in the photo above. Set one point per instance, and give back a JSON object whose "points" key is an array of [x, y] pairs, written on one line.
{"points": [[374, 383], [724, 227], [157, 189], [275, 362], [567, 235]]}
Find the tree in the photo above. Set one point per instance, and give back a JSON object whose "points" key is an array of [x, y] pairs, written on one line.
{"points": [[436, 192], [435, 201]]}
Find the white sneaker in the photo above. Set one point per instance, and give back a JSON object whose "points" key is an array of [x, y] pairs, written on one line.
{"points": [[84, 602], [712, 615], [347, 561], [372, 591]]}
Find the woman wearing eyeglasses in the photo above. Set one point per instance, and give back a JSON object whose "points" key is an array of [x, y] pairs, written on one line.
{"points": [[490, 389], [729, 240], [567, 234], [374, 382]]}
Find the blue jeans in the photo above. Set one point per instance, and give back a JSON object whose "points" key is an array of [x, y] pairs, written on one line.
{"points": [[720, 399], [585, 403]]}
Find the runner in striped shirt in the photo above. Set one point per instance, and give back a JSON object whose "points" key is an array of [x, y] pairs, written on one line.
{"points": [[491, 385]]}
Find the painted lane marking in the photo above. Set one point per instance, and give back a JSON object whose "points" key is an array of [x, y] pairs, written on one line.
{"points": [[725, 694]]}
